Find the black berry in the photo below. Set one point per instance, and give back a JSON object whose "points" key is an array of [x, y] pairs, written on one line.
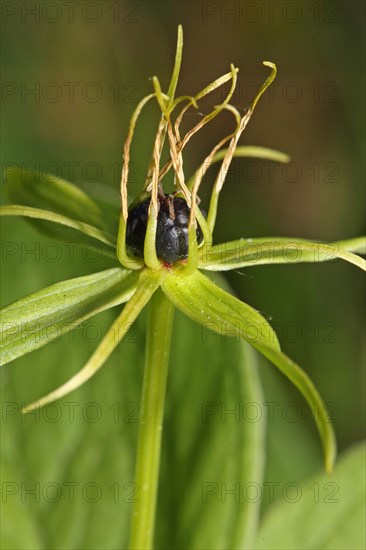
{"points": [[171, 233]]}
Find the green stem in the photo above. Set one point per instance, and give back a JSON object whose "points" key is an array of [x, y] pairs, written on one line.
{"points": [[160, 323]]}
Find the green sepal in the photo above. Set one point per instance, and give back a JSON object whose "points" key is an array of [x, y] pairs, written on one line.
{"points": [[206, 303], [306, 387], [49, 192], [281, 250], [146, 283], [87, 233], [43, 316]]}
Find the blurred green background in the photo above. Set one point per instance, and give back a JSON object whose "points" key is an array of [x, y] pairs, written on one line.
{"points": [[88, 65]]}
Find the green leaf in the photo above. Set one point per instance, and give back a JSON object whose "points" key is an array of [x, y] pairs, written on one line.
{"points": [[148, 282], [39, 318], [326, 512], [36, 213], [88, 441], [303, 383], [358, 245], [220, 312], [79, 462], [49, 192], [273, 250]]}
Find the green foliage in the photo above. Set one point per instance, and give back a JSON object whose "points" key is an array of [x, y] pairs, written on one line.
{"points": [[323, 512], [39, 318], [202, 448]]}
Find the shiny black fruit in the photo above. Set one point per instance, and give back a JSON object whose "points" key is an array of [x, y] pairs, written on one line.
{"points": [[171, 233]]}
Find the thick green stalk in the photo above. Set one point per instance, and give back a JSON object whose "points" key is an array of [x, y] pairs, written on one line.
{"points": [[160, 323]]}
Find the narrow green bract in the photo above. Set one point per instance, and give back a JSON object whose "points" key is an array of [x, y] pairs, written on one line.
{"points": [[44, 316]]}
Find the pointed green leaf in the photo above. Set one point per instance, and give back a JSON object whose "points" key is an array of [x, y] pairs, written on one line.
{"points": [[93, 442], [281, 250], [49, 192], [303, 383], [148, 282], [36, 213], [205, 302], [357, 245], [325, 512], [219, 311], [40, 318], [80, 461]]}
